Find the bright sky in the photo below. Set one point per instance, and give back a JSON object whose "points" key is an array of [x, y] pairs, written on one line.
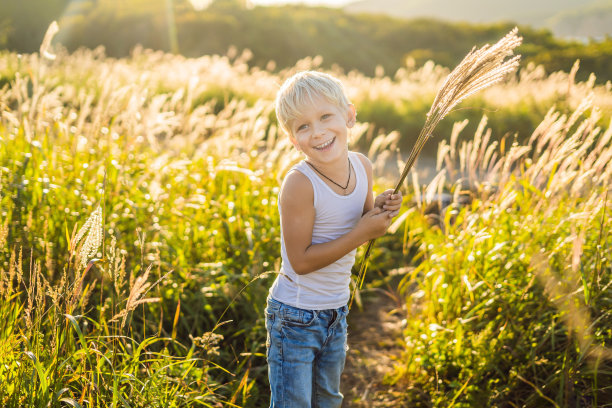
{"points": [[329, 3], [200, 4]]}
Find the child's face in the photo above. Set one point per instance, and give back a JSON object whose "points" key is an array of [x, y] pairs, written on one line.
{"points": [[321, 130]]}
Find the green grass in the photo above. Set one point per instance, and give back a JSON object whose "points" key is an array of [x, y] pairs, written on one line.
{"points": [[185, 162], [510, 304]]}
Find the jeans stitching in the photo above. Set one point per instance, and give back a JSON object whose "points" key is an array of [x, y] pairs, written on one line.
{"points": [[289, 323], [283, 316]]}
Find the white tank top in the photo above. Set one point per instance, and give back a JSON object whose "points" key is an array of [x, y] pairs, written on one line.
{"points": [[335, 215]]}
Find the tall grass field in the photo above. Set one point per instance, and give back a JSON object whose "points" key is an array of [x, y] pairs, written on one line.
{"points": [[139, 232]]}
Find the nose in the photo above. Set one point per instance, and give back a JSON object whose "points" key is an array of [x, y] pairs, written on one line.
{"points": [[318, 129]]}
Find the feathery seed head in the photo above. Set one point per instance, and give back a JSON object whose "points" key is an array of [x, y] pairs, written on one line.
{"points": [[94, 230], [479, 69]]}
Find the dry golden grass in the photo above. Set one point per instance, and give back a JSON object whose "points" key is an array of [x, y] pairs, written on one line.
{"points": [[480, 69], [194, 158]]}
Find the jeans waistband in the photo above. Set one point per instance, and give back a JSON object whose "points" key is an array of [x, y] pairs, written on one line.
{"points": [[274, 305]]}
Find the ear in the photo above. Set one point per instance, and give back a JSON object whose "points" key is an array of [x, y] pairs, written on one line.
{"points": [[351, 116]]}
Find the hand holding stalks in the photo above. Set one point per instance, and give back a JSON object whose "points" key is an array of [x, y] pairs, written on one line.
{"points": [[389, 201], [373, 224]]}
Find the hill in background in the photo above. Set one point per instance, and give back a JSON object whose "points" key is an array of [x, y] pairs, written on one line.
{"points": [[568, 18], [278, 37]]}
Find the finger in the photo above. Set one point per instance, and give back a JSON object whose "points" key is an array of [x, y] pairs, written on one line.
{"points": [[393, 199], [375, 210], [382, 214]]}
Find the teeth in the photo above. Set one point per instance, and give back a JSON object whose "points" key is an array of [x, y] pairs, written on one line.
{"points": [[324, 145]]}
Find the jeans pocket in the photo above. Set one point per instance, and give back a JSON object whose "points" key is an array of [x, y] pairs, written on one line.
{"points": [[269, 319], [268, 344], [291, 316], [269, 323]]}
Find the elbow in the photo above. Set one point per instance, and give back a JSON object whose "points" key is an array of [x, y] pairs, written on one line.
{"points": [[301, 268]]}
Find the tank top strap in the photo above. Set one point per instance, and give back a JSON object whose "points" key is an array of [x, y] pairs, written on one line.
{"points": [[360, 171], [315, 180]]}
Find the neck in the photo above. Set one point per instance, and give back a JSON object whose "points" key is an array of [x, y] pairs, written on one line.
{"points": [[330, 178], [338, 167]]}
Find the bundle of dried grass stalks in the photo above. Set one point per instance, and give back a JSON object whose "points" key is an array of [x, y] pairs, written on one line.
{"points": [[479, 69]]}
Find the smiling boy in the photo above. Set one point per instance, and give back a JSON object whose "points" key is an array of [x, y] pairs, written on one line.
{"points": [[327, 210]]}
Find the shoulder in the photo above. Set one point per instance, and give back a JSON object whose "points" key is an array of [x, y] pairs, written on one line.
{"points": [[364, 160], [296, 189]]}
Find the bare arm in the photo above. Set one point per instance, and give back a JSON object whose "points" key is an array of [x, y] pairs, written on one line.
{"points": [[297, 220], [369, 202], [389, 202]]}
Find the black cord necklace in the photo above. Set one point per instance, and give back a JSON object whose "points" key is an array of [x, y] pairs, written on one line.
{"points": [[347, 181]]}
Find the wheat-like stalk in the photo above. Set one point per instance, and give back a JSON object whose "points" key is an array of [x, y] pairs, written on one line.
{"points": [[93, 228], [138, 289], [478, 70], [45, 46]]}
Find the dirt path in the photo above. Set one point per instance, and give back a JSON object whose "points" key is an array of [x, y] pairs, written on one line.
{"points": [[374, 345]]}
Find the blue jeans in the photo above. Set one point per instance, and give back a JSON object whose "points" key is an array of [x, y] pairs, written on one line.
{"points": [[306, 350]]}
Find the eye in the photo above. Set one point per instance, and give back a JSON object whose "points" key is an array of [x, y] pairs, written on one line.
{"points": [[326, 116], [302, 127]]}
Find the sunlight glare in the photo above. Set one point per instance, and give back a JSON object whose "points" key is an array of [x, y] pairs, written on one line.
{"points": [[200, 4]]}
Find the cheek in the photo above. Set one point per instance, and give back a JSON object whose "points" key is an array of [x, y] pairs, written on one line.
{"points": [[301, 137], [300, 141]]}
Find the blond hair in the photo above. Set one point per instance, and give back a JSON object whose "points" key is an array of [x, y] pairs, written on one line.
{"points": [[303, 88]]}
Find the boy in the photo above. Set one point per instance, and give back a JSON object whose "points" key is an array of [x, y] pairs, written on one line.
{"points": [[327, 210]]}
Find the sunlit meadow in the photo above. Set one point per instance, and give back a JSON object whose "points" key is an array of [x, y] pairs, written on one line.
{"points": [[139, 232]]}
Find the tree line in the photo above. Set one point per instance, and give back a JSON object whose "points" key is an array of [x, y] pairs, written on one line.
{"points": [[283, 34]]}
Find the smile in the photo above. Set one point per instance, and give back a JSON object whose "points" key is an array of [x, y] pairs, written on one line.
{"points": [[324, 145]]}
